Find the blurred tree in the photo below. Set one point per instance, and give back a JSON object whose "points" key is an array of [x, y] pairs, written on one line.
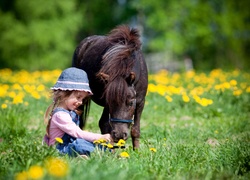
{"points": [[99, 17], [37, 34], [213, 33], [42, 34]]}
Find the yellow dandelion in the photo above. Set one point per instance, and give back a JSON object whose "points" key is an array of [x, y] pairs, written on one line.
{"points": [[161, 89], [121, 142], [96, 142], [17, 87], [18, 99], [217, 87], [152, 88], [237, 92], [35, 172], [226, 85], [233, 82], [205, 102], [35, 95], [102, 140], [248, 89], [59, 140], [99, 141], [168, 98], [57, 167], [124, 155], [22, 176], [12, 94], [41, 87], [4, 106], [110, 146], [185, 98], [152, 149], [3, 90]]}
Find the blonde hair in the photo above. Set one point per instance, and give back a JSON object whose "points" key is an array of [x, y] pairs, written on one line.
{"points": [[58, 96]]}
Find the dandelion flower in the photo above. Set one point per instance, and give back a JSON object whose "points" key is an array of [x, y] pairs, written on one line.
{"points": [[233, 82], [110, 146], [121, 142], [35, 172], [99, 141], [185, 98], [102, 140], [124, 154], [4, 106], [35, 95], [152, 149], [59, 140], [169, 99], [57, 167], [248, 89], [41, 87], [96, 142], [21, 176], [18, 99], [237, 92]]}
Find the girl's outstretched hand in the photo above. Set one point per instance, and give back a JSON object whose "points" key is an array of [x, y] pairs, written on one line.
{"points": [[107, 137]]}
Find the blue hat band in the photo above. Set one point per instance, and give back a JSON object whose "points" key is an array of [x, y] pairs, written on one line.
{"points": [[76, 83]]}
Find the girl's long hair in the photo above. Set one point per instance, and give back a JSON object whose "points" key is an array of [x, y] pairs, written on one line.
{"points": [[58, 96]]}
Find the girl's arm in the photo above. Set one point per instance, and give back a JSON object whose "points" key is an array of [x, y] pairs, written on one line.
{"points": [[64, 122]]}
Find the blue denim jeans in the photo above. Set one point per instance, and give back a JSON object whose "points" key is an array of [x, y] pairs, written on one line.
{"points": [[74, 147]]}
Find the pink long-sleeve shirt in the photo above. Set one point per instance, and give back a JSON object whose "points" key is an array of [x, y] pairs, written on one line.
{"points": [[61, 122]]}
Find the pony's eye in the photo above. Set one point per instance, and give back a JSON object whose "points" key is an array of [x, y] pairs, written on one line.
{"points": [[130, 103]]}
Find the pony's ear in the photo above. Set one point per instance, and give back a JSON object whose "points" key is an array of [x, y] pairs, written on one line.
{"points": [[103, 76], [131, 78]]}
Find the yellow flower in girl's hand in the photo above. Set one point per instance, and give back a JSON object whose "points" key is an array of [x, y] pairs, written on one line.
{"points": [[99, 141], [59, 140]]}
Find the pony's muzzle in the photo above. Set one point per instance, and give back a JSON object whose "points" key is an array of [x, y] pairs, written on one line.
{"points": [[119, 135]]}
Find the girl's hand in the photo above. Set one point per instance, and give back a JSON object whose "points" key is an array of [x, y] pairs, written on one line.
{"points": [[107, 137]]}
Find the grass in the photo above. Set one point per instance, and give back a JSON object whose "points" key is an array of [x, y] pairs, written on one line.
{"points": [[204, 136]]}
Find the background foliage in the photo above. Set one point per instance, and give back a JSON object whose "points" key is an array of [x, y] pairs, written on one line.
{"points": [[43, 34]]}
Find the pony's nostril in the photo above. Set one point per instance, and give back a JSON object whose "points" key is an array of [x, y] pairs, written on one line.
{"points": [[114, 134]]}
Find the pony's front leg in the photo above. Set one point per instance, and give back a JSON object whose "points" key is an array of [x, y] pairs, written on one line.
{"points": [[135, 130], [104, 122], [135, 134]]}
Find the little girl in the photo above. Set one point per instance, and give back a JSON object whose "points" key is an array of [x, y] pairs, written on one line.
{"points": [[71, 88]]}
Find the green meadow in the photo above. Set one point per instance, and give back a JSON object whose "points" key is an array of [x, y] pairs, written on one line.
{"points": [[195, 125]]}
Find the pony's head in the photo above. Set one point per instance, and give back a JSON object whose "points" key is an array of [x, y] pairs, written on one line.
{"points": [[118, 61], [121, 101], [119, 93]]}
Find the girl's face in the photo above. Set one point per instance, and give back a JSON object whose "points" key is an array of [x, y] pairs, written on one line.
{"points": [[74, 100]]}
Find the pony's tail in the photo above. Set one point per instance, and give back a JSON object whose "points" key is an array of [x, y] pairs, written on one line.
{"points": [[124, 35]]}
